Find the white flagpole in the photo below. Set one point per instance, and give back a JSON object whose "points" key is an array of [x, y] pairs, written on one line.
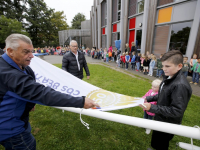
{"points": [[181, 130]]}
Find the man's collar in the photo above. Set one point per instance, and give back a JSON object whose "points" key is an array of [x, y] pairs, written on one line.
{"points": [[10, 61]]}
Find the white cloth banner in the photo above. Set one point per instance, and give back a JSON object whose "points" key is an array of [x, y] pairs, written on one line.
{"points": [[60, 80]]}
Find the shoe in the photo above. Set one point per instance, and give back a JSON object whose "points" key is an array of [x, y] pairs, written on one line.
{"points": [[195, 83], [191, 82], [149, 149], [136, 70], [148, 131]]}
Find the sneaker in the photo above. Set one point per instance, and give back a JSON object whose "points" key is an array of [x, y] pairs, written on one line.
{"points": [[148, 131], [195, 83], [191, 82], [136, 70]]}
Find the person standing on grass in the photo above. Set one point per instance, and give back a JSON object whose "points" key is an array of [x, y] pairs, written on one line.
{"points": [[196, 72], [152, 92], [133, 61], [74, 62], [186, 66], [152, 65], [127, 58], [172, 99], [159, 71], [19, 92]]}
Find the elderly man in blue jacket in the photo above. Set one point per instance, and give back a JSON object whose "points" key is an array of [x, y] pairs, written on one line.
{"points": [[19, 92]]}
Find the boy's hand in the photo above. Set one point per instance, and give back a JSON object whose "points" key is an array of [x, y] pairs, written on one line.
{"points": [[147, 106]]}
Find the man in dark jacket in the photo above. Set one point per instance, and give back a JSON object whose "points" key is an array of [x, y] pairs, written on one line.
{"points": [[19, 92], [74, 62], [172, 99]]}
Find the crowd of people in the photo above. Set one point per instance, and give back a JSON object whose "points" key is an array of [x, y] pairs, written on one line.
{"points": [[147, 63]]}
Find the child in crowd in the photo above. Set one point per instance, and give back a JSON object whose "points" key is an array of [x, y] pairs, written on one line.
{"points": [[159, 71], [127, 58], [153, 91], [123, 61], [152, 65], [186, 66], [172, 98], [196, 72], [107, 57], [145, 65], [193, 60], [104, 54], [141, 62], [133, 61], [137, 60], [110, 55], [118, 58]]}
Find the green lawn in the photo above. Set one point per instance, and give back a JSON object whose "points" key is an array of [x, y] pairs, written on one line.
{"points": [[55, 130]]}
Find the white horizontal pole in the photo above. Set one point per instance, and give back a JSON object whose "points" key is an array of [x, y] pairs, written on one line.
{"points": [[181, 130], [188, 146]]}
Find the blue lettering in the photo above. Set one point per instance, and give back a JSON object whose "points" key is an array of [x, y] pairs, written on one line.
{"points": [[70, 91], [78, 92], [45, 80], [56, 85], [64, 88]]}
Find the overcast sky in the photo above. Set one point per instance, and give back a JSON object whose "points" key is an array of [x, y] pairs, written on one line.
{"points": [[71, 7]]}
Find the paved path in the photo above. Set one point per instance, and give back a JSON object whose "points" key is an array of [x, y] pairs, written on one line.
{"points": [[54, 59]]}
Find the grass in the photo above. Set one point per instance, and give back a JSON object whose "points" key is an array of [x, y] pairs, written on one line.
{"points": [[55, 130]]}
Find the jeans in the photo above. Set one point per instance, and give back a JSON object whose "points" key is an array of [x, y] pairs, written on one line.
{"points": [[138, 65], [195, 77], [123, 65], [151, 71], [133, 66], [107, 59], [185, 73], [159, 72], [127, 65], [23, 141], [146, 116]]}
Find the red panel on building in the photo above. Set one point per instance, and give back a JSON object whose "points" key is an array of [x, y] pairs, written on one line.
{"points": [[132, 23], [131, 37], [114, 27], [103, 31]]}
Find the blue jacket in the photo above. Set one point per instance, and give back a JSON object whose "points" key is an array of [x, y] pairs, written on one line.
{"points": [[18, 94], [133, 59], [127, 57]]}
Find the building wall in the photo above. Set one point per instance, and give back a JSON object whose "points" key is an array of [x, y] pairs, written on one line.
{"points": [[156, 24]]}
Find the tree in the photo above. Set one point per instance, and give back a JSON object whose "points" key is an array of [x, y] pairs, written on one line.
{"points": [[9, 26], [58, 23], [37, 20], [13, 9], [76, 22]]}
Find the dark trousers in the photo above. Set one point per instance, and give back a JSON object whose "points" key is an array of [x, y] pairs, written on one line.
{"points": [[160, 140], [133, 65], [23, 141]]}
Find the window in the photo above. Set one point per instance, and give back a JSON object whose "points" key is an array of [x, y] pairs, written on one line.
{"points": [[138, 39], [140, 6], [119, 10], [179, 36], [118, 35]]}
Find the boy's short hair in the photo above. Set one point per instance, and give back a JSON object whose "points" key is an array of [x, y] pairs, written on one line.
{"points": [[175, 56], [185, 57]]}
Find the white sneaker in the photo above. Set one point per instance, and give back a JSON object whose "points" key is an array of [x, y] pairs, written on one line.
{"points": [[148, 131]]}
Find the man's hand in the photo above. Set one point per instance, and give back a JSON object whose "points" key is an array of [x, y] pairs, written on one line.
{"points": [[90, 103], [88, 77], [148, 106]]}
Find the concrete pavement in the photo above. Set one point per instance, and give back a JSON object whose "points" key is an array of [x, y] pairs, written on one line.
{"points": [[54, 59]]}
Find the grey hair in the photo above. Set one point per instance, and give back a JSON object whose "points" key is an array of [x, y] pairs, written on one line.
{"points": [[156, 82], [72, 41], [12, 41]]}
